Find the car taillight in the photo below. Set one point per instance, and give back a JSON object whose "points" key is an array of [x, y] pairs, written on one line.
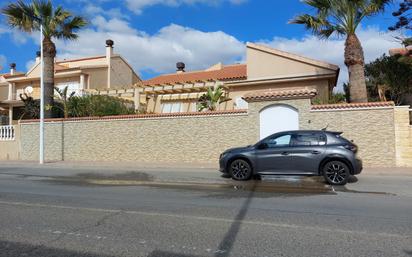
{"points": [[352, 148]]}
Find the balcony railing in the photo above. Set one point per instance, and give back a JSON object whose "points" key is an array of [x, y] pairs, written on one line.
{"points": [[7, 133]]}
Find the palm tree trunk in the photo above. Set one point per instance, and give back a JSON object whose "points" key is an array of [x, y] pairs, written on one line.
{"points": [[49, 53], [355, 62]]}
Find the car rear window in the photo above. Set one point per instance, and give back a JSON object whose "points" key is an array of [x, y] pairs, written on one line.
{"points": [[308, 139]]}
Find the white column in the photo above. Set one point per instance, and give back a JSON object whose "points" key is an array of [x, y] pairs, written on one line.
{"points": [[82, 84], [136, 99], [11, 115], [11, 92]]}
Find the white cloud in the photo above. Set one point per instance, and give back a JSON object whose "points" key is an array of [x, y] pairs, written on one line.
{"points": [[17, 36], [93, 10], [158, 52], [374, 41]]}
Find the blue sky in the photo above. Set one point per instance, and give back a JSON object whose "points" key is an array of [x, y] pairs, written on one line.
{"points": [[154, 34]]}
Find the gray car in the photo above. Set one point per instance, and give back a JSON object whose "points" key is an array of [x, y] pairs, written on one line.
{"points": [[311, 153]]}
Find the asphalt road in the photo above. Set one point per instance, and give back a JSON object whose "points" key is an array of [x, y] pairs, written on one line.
{"points": [[72, 215]]}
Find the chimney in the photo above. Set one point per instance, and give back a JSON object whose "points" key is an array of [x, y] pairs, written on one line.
{"points": [[38, 55], [180, 67], [12, 68], [109, 48]]}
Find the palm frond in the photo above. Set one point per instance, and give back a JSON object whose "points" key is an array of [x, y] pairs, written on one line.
{"points": [[21, 16]]}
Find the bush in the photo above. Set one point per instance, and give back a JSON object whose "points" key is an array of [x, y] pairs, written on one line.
{"points": [[98, 105]]}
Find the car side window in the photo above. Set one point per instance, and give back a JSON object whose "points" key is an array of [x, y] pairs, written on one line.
{"points": [[278, 141], [308, 139]]}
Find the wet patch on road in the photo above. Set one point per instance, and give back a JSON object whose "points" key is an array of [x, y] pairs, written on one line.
{"points": [[264, 187]]}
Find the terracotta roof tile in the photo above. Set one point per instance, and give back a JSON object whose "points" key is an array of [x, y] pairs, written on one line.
{"points": [[230, 72], [16, 74], [274, 94], [82, 59], [352, 105], [401, 51]]}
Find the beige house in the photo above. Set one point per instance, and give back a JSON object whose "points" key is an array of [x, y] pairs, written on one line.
{"points": [[265, 69], [106, 72]]}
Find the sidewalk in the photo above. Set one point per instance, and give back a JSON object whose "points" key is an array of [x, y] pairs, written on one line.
{"points": [[172, 171]]}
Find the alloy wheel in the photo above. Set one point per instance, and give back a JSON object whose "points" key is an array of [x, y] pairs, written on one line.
{"points": [[240, 170], [336, 172]]}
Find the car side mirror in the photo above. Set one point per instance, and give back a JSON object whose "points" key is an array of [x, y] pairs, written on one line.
{"points": [[263, 146]]}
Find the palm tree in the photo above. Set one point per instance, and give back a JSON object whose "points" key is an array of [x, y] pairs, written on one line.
{"points": [[342, 18], [212, 98], [64, 98], [57, 24]]}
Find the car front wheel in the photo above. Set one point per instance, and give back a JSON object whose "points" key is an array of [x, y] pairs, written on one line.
{"points": [[240, 170], [336, 173]]}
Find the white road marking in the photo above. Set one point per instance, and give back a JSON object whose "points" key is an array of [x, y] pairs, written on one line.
{"points": [[204, 218]]}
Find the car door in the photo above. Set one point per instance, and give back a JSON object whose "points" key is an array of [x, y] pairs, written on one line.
{"points": [[307, 151], [273, 155]]}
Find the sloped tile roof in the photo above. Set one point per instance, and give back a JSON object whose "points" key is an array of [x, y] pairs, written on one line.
{"points": [[82, 59], [275, 94], [401, 51], [16, 74], [230, 72], [352, 105]]}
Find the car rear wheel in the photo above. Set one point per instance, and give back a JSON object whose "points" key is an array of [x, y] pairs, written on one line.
{"points": [[240, 170], [336, 173]]}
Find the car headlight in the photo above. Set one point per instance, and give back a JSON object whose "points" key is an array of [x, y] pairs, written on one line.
{"points": [[223, 155]]}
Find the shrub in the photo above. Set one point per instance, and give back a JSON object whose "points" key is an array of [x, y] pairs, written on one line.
{"points": [[98, 105]]}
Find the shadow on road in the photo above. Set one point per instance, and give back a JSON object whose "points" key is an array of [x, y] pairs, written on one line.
{"points": [[168, 254], [20, 249], [226, 245]]}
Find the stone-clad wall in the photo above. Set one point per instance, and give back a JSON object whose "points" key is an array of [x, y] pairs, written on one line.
{"points": [[403, 132], [372, 129], [201, 138], [175, 139]]}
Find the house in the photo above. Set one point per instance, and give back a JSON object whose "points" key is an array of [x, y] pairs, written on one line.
{"points": [[110, 71], [407, 52], [265, 69]]}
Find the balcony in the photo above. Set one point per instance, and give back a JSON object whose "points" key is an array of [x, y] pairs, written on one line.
{"points": [[7, 133]]}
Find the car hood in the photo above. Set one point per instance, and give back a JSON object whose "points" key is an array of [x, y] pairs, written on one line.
{"points": [[239, 149]]}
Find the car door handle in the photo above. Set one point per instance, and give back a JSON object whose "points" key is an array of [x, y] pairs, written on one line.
{"points": [[285, 153], [315, 152]]}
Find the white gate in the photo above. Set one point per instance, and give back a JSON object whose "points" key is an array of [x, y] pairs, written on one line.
{"points": [[277, 118]]}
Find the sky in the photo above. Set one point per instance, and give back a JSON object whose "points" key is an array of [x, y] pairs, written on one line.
{"points": [[155, 34]]}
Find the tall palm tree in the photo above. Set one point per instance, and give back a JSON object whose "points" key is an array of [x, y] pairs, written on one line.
{"points": [[342, 18], [57, 24]]}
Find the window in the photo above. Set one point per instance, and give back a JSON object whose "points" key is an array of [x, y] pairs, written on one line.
{"points": [[308, 139], [278, 141], [241, 104], [171, 107], [71, 87], [193, 106]]}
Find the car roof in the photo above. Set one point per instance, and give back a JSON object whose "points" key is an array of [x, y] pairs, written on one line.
{"points": [[312, 131]]}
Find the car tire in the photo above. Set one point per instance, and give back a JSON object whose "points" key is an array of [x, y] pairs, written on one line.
{"points": [[336, 173], [241, 170]]}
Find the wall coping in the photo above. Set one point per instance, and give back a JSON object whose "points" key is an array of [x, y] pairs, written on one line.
{"points": [[353, 106], [143, 116]]}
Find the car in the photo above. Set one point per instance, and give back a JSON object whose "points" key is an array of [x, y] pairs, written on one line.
{"points": [[303, 152]]}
